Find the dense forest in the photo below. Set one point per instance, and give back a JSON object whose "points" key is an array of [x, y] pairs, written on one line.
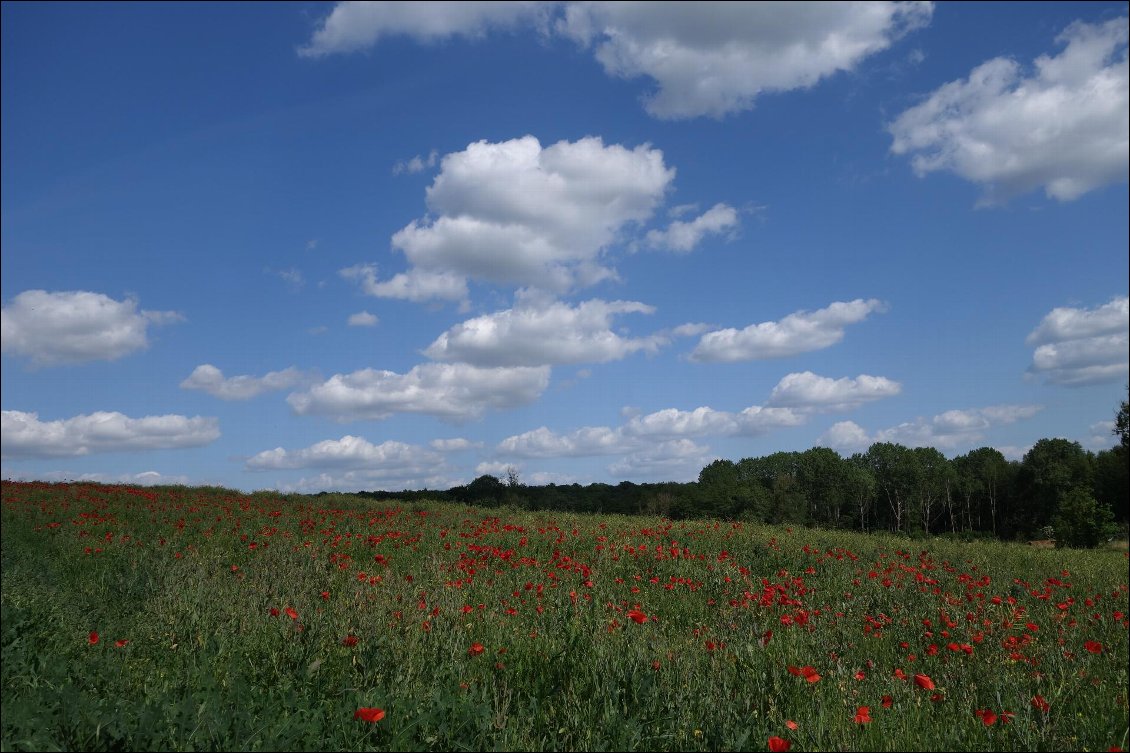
{"points": [[1059, 490]]}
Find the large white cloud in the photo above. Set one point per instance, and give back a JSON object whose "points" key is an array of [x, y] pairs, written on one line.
{"points": [[706, 58], [24, 435], [208, 378], [715, 58], [675, 459], [945, 431], [1077, 346], [349, 452], [798, 332], [1063, 126], [806, 390], [515, 213], [75, 326], [455, 392], [535, 333], [587, 441]]}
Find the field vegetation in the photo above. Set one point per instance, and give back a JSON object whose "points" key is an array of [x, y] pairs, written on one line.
{"points": [[205, 619]]}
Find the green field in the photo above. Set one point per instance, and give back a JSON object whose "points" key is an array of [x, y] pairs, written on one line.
{"points": [[188, 619]]}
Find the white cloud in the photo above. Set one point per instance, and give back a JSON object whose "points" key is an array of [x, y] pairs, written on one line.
{"points": [[417, 164], [673, 460], [945, 431], [415, 285], [75, 326], [1102, 435], [362, 319], [349, 452], [846, 436], [534, 333], [717, 58], [799, 332], [806, 390], [454, 444], [354, 26], [208, 378], [1083, 346], [672, 422], [682, 237], [1062, 126], [514, 213], [455, 392], [706, 58], [362, 480], [544, 443], [24, 435]]}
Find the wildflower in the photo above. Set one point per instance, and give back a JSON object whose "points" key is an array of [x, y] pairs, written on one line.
{"points": [[92, 638], [1040, 704], [807, 672], [792, 725], [887, 701], [475, 649], [274, 612], [779, 744], [1094, 647], [369, 714], [988, 718], [291, 613], [863, 715], [924, 682], [349, 641], [121, 643], [637, 616]]}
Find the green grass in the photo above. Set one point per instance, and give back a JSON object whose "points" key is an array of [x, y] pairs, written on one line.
{"points": [[189, 578]]}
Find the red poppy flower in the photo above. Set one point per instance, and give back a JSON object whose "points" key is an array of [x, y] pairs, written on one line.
{"points": [[924, 682], [291, 613], [325, 595], [121, 643], [1094, 647], [1040, 704], [779, 744], [349, 641], [475, 649], [369, 714], [274, 611], [863, 715], [792, 725], [900, 674], [637, 616], [92, 638], [860, 676], [807, 672], [887, 701]]}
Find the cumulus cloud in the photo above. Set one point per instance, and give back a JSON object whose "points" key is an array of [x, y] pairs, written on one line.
{"points": [[515, 213], [73, 327], [362, 319], [353, 26], [454, 392], [705, 58], [415, 285], [1077, 347], [682, 237], [805, 390], [945, 431], [350, 452], [25, 436], [1064, 125], [675, 459], [544, 443], [145, 478], [799, 332], [536, 333], [208, 378]]}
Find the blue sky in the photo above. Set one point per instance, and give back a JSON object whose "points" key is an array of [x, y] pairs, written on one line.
{"points": [[382, 246]]}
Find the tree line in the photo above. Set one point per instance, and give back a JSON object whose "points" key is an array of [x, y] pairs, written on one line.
{"points": [[1059, 490]]}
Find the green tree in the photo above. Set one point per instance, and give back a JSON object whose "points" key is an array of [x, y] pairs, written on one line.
{"points": [[1082, 521], [1122, 422], [1049, 471]]}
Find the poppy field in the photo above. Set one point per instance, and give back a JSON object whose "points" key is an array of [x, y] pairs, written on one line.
{"points": [[178, 618]]}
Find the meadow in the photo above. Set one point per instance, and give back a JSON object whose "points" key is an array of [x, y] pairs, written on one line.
{"points": [[205, 619]]}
